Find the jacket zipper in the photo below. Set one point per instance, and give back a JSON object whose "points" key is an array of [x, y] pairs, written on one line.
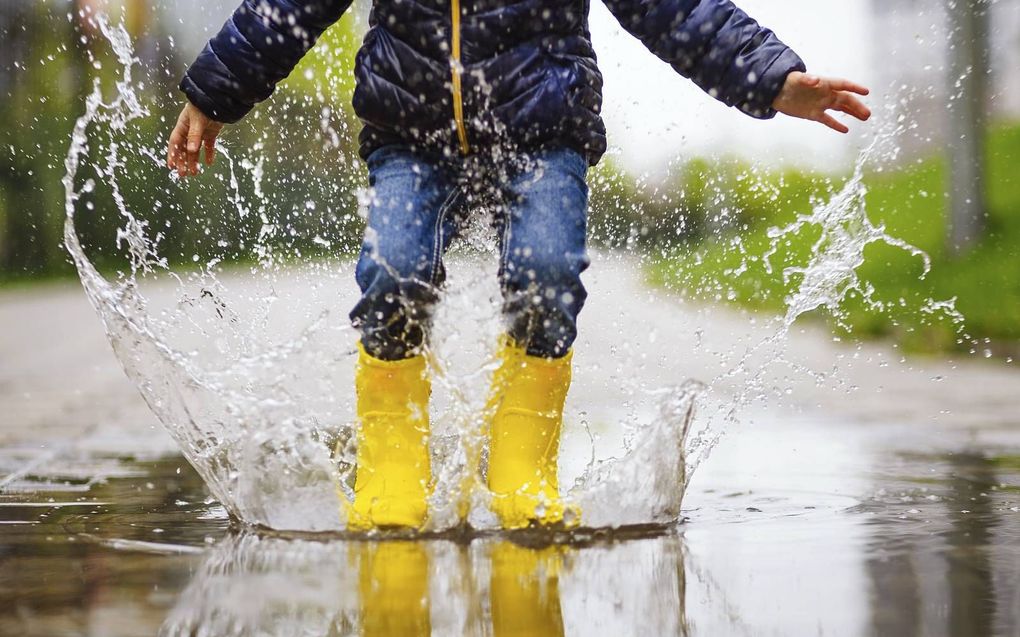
{"points": [[458, 101]]}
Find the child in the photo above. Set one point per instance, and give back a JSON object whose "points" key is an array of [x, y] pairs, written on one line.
{"points": [[485, 102]]}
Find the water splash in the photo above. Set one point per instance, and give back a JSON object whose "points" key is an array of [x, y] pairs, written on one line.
{"points": [[829, 275], [250, 374], [250, 371], [252, 440], [845, 232]]}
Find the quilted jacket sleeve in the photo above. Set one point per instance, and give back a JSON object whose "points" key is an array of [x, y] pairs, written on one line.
{"points": [[715, 44], [256, 48]]}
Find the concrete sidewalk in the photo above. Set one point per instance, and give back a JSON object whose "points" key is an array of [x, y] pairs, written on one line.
{"points": [[59, 378]]}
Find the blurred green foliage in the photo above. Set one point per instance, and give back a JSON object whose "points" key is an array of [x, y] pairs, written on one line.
{"points": [[696, 202], [292, 184], [50, 59], [33, 107], [910, 201]]}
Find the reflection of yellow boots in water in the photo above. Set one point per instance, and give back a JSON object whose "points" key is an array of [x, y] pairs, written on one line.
{"points": [[526, 404], [393, 467], [525, 591], [394, 586]]}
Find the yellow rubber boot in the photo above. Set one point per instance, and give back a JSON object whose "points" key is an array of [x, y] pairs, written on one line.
{"points": [[525, 591], [393, 583], [526, 401], [393, 468]]}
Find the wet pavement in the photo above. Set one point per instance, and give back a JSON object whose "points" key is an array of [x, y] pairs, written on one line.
{"points": [[864, 537], [894, 510]]}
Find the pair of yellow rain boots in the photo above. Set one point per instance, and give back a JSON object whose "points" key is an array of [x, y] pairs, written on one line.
{"points": [[525, 414]]}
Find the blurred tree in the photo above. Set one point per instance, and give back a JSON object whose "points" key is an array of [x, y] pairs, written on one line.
{"points": [[967, 118]]}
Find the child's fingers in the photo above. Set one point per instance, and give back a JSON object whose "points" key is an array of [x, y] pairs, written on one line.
{"points": [[850, 105], [178, 150], [182, 157], [847, 85], [833, 123], [179, 143], [210, 148], [175, 146], [170, 148], [196, 131]]}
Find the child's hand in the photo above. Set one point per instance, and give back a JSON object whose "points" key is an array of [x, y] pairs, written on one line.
{"points": [[193, 131], [810, 96]]}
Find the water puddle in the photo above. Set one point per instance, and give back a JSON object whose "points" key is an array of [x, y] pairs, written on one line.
{"points": [[908, 537]]}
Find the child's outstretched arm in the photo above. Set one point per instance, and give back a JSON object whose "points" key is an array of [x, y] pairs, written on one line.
{"points": [[258, 46], [735, 60]]}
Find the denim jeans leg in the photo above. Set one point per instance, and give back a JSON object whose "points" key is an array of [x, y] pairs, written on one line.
{"points": [[400, 267], [543, 251]]}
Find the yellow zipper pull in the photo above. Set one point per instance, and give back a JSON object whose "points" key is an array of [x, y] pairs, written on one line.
{"points": [[455, 66]]}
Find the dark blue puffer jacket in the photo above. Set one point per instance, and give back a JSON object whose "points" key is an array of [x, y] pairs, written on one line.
{"points": [[455, 75]]}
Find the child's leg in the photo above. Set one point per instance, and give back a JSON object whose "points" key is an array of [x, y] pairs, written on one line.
{"points": [[399, 268], [410, 223], [542, 257], [543, 252]]}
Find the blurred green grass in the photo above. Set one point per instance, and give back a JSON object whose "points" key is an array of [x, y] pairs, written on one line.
{"points": [[911, 202]]}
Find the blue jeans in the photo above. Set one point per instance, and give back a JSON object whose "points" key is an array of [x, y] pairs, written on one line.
{"points": [[417, 206]]}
